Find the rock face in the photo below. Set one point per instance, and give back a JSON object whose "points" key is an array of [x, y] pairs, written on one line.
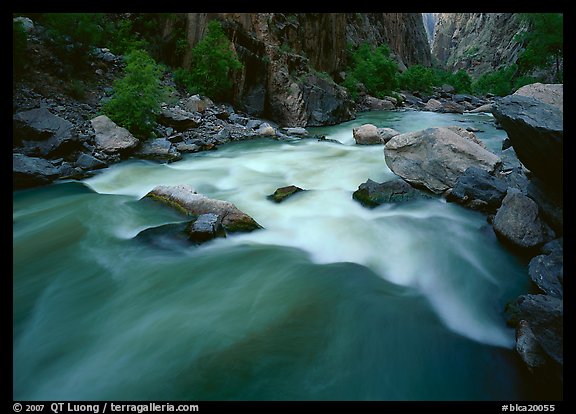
{"points": [[372, 194], [479, 190], [31, 171], [110, 138], [44, 134], [551, 94], [435, 157], [283, 193], [185, 199], [476, 42], [536, 131], [518, 222]]}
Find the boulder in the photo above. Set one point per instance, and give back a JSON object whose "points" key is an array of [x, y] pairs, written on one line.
{"points": [[185, 147], [479, 190], [43, 133], [88, 162], [325, 103], [518, 222], [470, 135], [298, 131], [179, 119], [536, 131], [371, 103], [482, 108], [188, 201], [448, 88], [435, 157], [386, 134], [546, 271], [452, 107], [206, 227], [528, 347], [366, 134], [433, 105], [197, 104], [544, 314], [158, 149], [552, 94], [31, 171], [372, 194], [110, 138], [266, 130], [283, 193]]}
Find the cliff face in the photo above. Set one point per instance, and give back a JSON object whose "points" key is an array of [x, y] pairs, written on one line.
{"points": [[476, 42], [279, 51], [430, 20]]}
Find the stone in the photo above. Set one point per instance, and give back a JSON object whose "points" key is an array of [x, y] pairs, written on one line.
{"points": [[366, 134], [452, 107], [551, 94], [283, 193], [88, 162], [205, 227], [371, 103], [197, 104], [470, 135], [110, 138], [518, 222], [43, 133], [546, 271], [31, 171], [158, 149], [528, 347], [297, 131], [536, 131], [435, 157], [253, 124], [179, 119], [184, 147], [482, 108], [266, 130], [27, 23], [433, 105], [448, 88], [186, 200], [479, 190], [372, 194], [386, 134]]}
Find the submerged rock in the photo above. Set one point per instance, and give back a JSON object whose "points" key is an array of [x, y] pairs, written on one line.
{"points": [[205, 227], [283, 193], [434, 158], [188, 201], [373, 194]]}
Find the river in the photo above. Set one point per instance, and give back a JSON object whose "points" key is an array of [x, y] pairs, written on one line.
{"points": [[331, 301]]}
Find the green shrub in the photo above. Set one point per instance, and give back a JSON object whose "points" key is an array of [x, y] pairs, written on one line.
{"points": [[76, 89], [120, 37], [213, 65], [418, 78], [19, 44], [135, 104], [374, 68], [461, 81], [498, 83]]}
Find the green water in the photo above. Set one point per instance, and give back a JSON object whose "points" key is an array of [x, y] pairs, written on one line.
{"points": [[331, 301]]}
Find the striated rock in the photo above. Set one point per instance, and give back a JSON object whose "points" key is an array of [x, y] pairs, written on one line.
{"points": [[158, 149], [179, 119], [372, 194], [43, 133], [366, 134], [186, 200], [536, 131], [435, 157], [110, 138], [31, 171], [518, 222], [479, 190], [283, 193], [551, 94]]}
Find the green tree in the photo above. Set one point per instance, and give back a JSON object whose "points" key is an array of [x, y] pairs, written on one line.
{"points": [[213, 65], [418, 78], [374, 68], [544, 42], [135, 104]]}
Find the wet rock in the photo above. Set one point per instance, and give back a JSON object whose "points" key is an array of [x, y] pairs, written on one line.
{"points": [[88, 162], [372, 194], [205, 227], [31, 171], [283, 193], [479, 190]]}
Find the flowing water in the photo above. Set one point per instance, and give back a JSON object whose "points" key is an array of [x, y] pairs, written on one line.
{"points": [[332, 301]]}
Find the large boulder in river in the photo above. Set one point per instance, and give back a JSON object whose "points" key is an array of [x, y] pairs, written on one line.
{"points": [[110, 138], [435, 157], [366, 134], [536, 130], [372, 194], [44, 134], [518, 222], [188, 201], [31, 171], [283, 193], [550, 93]]}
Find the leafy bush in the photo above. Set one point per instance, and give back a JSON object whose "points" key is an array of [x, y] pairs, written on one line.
{"points": [[374, 68], [19, 44], [499, 83], [137, 96], [213, 64], [418, 78], [120, 37], [461, 81]]}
